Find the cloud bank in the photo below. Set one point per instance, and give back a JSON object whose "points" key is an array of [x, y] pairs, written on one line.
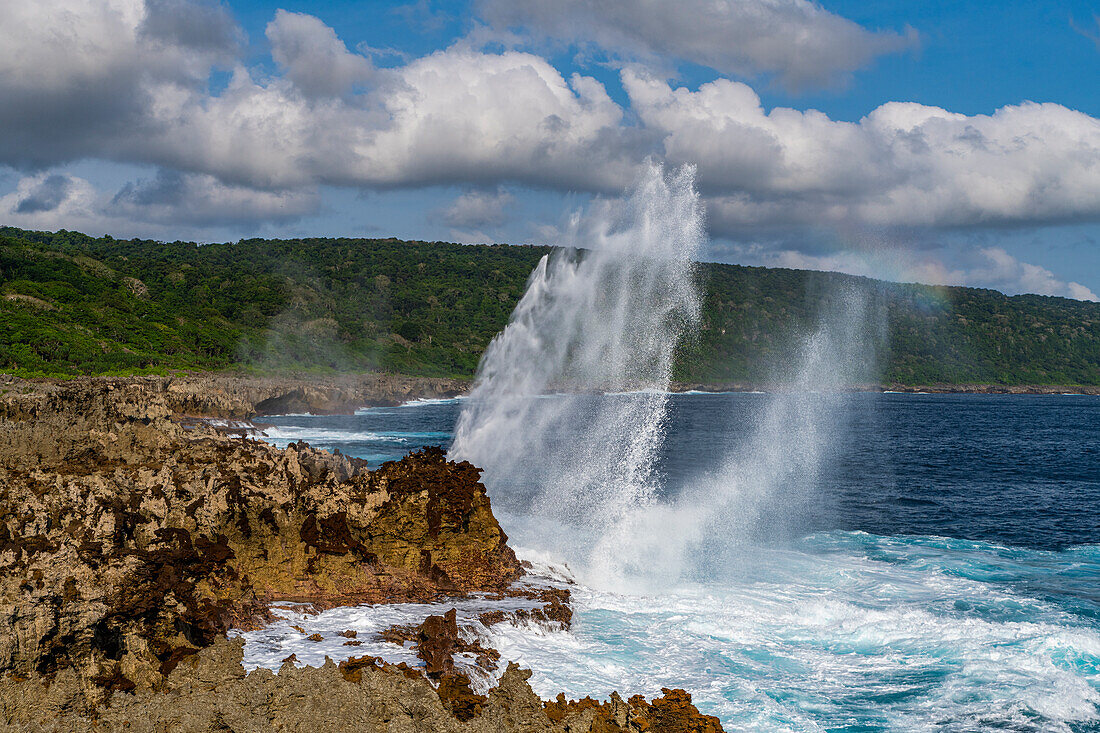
{"points": [[799, 42], [130, 81]]}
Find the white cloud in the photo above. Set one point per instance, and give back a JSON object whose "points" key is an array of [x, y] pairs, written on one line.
{"points": [[313, 57], [75, 76], [455, 116], [195, 199], [460, 115], [799, 41], [477, 209], [1004, 272], [51, 201], [127, 80], [902, 165], [168, 204]]}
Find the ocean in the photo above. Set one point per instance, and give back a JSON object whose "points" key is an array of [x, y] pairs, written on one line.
{"points": [[800, 562]]}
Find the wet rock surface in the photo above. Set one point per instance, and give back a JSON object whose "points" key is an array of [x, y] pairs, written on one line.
{"points": [[130, 543]]}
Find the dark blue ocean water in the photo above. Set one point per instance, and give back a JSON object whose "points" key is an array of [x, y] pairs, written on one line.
{"points": [[1023, 470], [941, 572]]}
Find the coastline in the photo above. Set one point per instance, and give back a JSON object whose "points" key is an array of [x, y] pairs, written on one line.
{"points": [[133, 541], [236, 396]]}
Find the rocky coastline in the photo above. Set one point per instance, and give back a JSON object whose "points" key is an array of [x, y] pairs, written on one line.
{"points": [[134, 537]]}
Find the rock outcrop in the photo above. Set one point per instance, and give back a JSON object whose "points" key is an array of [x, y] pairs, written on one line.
{"points": [[210, 692], [132, 539], [128, 542]]}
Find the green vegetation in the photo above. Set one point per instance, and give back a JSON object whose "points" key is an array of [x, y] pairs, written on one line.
{"points": [[72, 304]]}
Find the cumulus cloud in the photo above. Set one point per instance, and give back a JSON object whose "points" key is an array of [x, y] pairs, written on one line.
{"points": [[75, 77], [201, 25], [166, 204], [798, 41], [201, 200], [128, 80], [313, 57], [477, 209], [51, 201], [467, 117], [902, 165], [43, 194], [455, 116], [94, 82], [1004, 272]]}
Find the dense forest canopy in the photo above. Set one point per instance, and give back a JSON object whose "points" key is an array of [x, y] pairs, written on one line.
{"points": [[73, 304]]}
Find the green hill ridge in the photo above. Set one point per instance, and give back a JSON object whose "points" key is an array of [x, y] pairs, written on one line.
{"points": [[72, 304]]}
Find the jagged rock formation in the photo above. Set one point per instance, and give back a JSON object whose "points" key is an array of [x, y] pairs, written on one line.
{"points": [[210, 691], [128, 542], [131, 540]]}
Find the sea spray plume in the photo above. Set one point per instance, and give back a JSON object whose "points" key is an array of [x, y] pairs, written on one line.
{"points": [[604, 318], [766, 487]]}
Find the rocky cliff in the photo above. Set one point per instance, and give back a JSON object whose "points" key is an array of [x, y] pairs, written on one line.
{"points": [[127, 542]]}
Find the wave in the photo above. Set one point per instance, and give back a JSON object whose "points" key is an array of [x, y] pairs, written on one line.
{"points": [[901, 633], [425, 401], [269, 646], [288, 433]]}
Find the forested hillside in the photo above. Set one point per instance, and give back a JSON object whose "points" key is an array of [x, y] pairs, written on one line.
{"points": [[72, 304]]}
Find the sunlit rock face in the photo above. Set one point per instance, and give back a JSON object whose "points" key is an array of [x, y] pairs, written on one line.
{"points": [[128, 541]]}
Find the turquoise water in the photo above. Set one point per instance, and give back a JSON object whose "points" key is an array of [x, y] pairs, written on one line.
{"points": [[939, 569]]}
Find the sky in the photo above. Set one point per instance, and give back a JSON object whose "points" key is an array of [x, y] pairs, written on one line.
{"points": [[946, 142]]}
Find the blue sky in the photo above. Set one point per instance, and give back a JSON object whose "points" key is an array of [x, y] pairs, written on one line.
{"points": [[951, 142]]}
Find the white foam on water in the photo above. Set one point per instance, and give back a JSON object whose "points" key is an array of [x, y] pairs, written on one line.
{"points": [[418, 402], [811, 641], [802, 640], [270, 646], [283, 435]]}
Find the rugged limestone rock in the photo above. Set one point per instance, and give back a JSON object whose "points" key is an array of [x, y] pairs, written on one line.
{"points": [[239, 396], [128, 542], [670, 713], [131, 540], [210, 691]]}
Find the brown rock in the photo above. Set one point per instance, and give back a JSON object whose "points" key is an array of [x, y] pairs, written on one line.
{"points": [[671, 713], [130, 542], [209, 692], [455, 692], [436, 642], [127, 542]]}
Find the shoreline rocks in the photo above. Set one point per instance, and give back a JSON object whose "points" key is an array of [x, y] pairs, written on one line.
{"points": [[210, 691], [130, 543]]}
